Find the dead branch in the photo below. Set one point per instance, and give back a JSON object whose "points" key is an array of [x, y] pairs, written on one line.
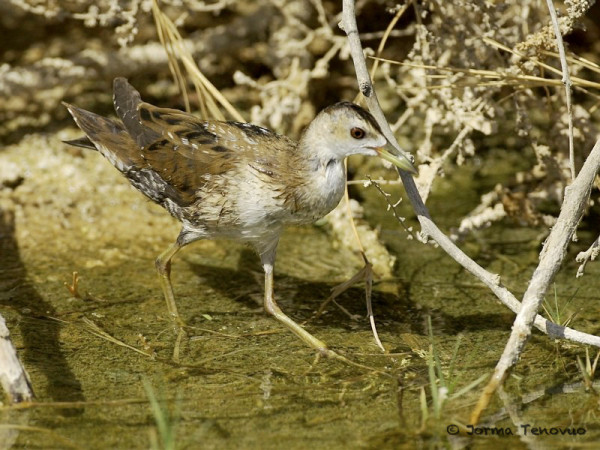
{"points": [[13, 378], [551, 257], [589, 255]]}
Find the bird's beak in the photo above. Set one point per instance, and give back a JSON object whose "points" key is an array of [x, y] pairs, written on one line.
{"points": [[396, 157]]}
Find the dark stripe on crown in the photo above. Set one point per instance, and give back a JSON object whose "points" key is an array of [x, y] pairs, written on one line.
{"points": [[357, 110]]}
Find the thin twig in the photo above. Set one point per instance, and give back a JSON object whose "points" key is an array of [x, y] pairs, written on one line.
{"points": [[367, 182], [91, 327], [549, 68], [503, 78], [566, 79], [392, 207], [575, 59], [174, 45], [365, 273], [589, 255], [388, 30]]}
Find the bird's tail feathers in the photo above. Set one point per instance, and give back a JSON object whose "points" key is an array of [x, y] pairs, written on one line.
{"points": [[107, 136]]}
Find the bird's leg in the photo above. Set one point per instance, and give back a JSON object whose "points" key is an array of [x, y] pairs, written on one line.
{"points": [[267, 257], [366, 274], [272, 308], [163, 266], [267, 251]]}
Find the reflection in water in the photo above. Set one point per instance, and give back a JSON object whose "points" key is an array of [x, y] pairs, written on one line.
{"points": [[11, 421]]}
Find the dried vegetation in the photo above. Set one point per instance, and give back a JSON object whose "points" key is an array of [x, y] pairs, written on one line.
{"points": [[453, 75]]}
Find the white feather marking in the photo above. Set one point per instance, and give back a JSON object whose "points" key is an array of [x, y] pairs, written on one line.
{"points": [[249, 140], [112, 158]]}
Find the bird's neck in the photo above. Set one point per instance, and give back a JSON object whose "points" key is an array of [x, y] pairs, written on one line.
{"points": [[318, 159], [324, 178], [312, 147]]}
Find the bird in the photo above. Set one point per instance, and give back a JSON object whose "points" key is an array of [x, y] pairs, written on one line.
{"points": [[233, 180]]}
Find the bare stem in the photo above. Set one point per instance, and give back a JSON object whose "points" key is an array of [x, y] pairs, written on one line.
{"points": [[566, 79], [589, 255]]}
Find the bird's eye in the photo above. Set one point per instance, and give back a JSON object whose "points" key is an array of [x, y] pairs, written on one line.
{"points": [[357, 133]]}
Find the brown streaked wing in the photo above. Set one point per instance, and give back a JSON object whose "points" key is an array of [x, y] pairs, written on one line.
{"points": [[185, 174], [186, 155], [206, 139], [189, 133]]}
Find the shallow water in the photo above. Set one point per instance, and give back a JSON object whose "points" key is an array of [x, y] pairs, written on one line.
{"points": [[242, 380]]}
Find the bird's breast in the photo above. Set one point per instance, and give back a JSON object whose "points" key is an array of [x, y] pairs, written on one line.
{"points": [[249, 203]]}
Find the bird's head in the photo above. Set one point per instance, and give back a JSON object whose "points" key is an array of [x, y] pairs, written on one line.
{"points": [[345, 129]]}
